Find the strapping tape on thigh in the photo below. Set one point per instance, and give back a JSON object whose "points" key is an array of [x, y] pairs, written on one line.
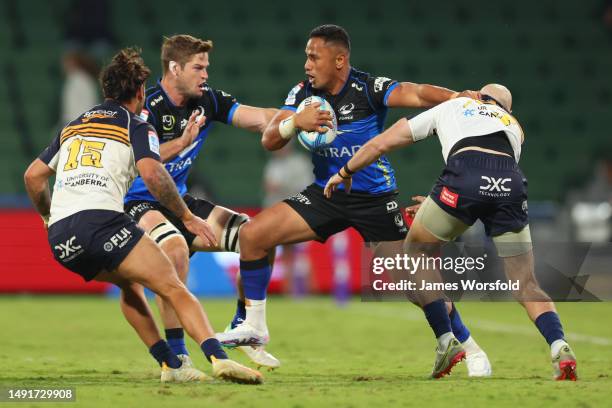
{"points": [[163, 231], [229, 238]]}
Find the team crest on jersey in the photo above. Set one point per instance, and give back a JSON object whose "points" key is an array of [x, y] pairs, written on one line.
{"points": [[293, 93], [153, 142], [168, 122]]}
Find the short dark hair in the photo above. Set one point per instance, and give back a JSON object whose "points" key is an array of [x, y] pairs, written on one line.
{"points": [[121, 79], [181, 48], [332, 33]]}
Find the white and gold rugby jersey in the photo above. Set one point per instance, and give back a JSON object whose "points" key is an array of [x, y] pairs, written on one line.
{"points": [[459, 118], [94, 158]]}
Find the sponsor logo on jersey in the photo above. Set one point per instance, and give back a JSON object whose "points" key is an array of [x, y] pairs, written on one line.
{"points": [[168, 122], [69, 250], [144, 115], [119, 240], [379, 83], [335, 152], [156, 100], [448, 197], [180, 165], [524, 207], [346, 111], [153, 142], [357, 87], [292, 94], [495, 187], [98, 114]]}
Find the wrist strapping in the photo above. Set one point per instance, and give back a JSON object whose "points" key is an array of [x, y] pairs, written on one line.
{"points": [[287, 128]]}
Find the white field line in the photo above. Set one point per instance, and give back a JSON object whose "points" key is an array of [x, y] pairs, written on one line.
{"points": [[487, 325]]}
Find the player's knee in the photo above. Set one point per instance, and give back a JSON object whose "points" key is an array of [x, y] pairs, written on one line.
{"points": [[251, 238], [177, 251]]}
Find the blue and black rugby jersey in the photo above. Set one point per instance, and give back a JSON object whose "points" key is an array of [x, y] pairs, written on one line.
{"points": [[361, 108], [169, 121]]}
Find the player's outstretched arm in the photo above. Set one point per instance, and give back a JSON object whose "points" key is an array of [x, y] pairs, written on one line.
{"points": [[411, 95], [36, 179], [286, 125], [162, 186], [396, 136], [253, 118], [170, 149]]}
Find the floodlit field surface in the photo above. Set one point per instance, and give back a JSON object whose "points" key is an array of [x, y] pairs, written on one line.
{"points": [[364, 354]]}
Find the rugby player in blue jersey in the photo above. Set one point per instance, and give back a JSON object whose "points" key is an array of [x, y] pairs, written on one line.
{"points": [[360, 102], [181, 95]]}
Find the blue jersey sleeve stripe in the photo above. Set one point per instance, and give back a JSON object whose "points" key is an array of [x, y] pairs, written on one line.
{"points": [[291, 108], [230, 115], [391, 88]]}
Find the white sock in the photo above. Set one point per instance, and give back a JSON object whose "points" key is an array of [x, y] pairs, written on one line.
{"points": [[256, 314], [444, 339], [556, 346], [470, 346]]}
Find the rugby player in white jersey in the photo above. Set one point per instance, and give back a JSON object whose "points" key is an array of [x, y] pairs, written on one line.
{"points": [[95, 159], [481, 144]]}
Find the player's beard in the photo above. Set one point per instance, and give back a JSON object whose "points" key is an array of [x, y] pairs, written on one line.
{"points": [[189, 92]]}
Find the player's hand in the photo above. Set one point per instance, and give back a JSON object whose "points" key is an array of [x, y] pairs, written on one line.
{"points": [[412, 210], [201, 228], [313, 119], [333, 183], [468, 94], [192, 129]]}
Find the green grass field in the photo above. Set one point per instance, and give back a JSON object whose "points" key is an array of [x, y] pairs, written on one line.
{"points": [[365, 354]]}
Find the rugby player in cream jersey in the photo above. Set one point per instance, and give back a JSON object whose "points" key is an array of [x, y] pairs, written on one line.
{"points": [[95, 158], [481, 144]]}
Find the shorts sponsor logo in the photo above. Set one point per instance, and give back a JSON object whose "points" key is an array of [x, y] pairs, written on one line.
{"points": [[300, 198], [68, 250], [119, 240], [399, 221], [495, 187], [448, 197], [140, 208], [392, 206]]}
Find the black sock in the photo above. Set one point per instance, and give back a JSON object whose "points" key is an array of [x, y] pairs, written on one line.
{"points": [[212, 347], [176, 340], [163, 354]]}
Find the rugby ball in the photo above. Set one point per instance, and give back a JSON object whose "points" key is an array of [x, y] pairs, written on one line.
{"points": [[314, 141]]}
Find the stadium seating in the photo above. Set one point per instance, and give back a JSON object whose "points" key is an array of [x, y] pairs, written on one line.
{"points": [[556, 59]]}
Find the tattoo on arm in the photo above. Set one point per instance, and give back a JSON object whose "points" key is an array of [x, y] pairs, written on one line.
{"points": [[164, 189]]}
